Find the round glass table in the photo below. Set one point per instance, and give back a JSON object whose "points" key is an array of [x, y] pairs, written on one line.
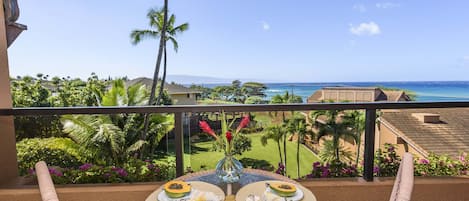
{"points": [[252, 177]]}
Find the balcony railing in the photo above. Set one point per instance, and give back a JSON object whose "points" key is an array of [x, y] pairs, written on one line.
{"points": [[179, 111]]}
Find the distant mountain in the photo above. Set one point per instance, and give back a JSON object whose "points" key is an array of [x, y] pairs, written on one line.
{"points": [[192, 79]]}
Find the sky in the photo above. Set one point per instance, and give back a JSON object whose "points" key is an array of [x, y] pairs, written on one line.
{"points": [[279, 41]]}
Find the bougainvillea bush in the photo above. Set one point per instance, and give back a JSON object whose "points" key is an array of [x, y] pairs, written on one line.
{"points": [[133, 171], [387, 164]]}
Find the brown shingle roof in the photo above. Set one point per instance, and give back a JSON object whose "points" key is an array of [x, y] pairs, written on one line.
{"points": [[395, 95], [362, 94], [450, 136], [316, 97], [171, 88]]}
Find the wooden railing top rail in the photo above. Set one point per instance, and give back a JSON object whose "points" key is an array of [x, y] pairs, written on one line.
{"points": [[228, 108]]}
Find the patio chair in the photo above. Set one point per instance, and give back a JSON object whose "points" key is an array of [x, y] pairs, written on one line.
{"points": [[46, 186], [404, 183]]}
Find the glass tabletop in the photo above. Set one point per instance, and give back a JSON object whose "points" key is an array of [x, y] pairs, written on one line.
{"points": [[249, 176]]}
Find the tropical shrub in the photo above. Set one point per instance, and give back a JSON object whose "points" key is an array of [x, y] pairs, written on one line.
{"points": [[386, 161], [437, 165], [112, 139], [61, 152], [133, 171], [333, 169], [257, 164]]}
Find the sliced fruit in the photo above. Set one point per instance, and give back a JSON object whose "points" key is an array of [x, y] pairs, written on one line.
{"points": [[177, 189], [283, 189]]}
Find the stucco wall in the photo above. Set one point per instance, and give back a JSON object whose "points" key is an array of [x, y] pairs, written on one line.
{"points": [[386, 135], [182, 99], [8, 168], [341, 189]]}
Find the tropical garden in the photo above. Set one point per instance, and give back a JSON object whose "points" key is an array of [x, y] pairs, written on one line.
{"points": [[139, 147]]}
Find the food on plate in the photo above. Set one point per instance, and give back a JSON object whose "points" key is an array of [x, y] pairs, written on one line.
{"points": [[283, 189], [177, 189], [199, 198]]}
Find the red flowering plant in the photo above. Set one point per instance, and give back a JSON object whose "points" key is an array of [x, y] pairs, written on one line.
{"points": [[226, 141]]}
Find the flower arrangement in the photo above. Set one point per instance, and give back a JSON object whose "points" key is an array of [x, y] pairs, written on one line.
{"points": [[227, 140]]}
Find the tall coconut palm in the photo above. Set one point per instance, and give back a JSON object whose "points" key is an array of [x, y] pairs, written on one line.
{"points": [[157, 21], [165, 30], [332, 127], [275, 133], [356, 120]]}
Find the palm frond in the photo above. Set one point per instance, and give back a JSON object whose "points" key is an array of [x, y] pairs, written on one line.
{"points": [[117, 95], [174, 42], [137, 94], [136, 146], [137, 36], [179, 29]]}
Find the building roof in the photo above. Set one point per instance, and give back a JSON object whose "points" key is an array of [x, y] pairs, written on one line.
{"points": [[171, 88], [357, 94], [449, 135]]}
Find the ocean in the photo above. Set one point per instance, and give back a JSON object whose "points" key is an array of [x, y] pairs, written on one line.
{"points": [[425, 91]]}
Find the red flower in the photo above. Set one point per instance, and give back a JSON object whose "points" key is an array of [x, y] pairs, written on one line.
{"points": [[243, 123], [206, 129], [229, 137]]}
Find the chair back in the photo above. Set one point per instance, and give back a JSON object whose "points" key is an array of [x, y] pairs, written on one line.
{"points": [[404, 183], [46, 186]]}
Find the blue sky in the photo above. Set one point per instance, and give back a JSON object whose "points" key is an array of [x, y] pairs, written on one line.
{"points": [[294, 41]]}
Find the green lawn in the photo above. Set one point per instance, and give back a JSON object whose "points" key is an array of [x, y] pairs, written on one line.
{"points": [[202, 156]]}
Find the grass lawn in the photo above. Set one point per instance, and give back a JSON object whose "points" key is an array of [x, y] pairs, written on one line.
{"points": [[202, 156]]}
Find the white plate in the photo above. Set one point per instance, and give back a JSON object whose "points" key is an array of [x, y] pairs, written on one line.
{"points": [[297, 197], [209, 196], [163, 197]]}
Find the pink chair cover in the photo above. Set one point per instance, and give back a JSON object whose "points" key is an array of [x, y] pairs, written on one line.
{"points": [[46, 186], [404, 183]]}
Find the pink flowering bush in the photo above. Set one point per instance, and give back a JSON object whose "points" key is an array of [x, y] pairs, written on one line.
{"points": [[334, 169], [437, 165], [133, 171], [386, 161], [387, 164]]}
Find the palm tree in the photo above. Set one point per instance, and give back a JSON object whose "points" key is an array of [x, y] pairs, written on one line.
{"points": [[356, 120], [332, 127], [328, 152], [115, 137], [297, 126], [157, 21], [163, 26], [275, 133], [281, 99]]}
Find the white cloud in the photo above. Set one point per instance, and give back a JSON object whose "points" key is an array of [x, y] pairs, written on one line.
{"points": [[360, 7], [369, 29], [386, 5], [265, 26], [466, 58]]}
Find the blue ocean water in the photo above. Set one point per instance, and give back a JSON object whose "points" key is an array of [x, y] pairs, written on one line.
{"points": [[425, 91]]}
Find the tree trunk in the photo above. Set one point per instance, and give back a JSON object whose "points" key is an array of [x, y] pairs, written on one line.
{"points": [[285, 152], [336, 145], [155, 75], [163, 80], [298, 155], [279, 151]]}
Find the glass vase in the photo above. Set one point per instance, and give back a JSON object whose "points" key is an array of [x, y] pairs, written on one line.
{"points": [[229, 169]]}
